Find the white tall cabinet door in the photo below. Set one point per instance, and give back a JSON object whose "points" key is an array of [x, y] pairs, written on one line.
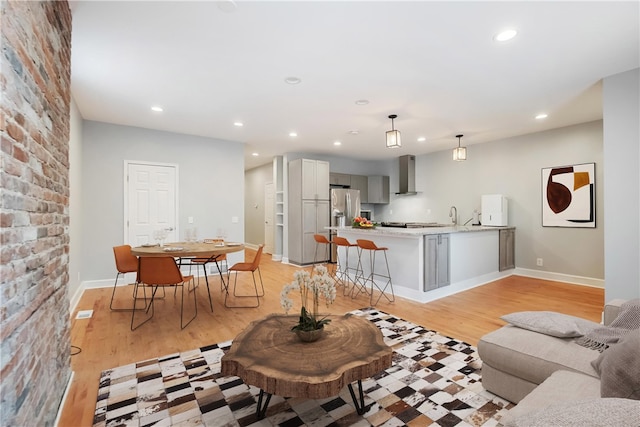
{"points": [[309, 227], [151, 202], [315, 217], [308, 207], [322, 180]]}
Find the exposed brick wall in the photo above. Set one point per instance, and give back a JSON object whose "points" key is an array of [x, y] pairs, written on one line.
{"points": [[34, 217]]}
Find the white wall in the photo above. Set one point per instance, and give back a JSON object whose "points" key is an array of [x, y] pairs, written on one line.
{"points": [[211, 187], [621, 112], [75, 204]]}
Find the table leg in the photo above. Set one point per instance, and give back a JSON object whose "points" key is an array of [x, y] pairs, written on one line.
{"points": [[261, 411], [359, 405], [223, 283]]}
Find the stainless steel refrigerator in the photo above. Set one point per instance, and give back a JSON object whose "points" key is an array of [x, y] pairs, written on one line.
{"points": [[345, 205]]}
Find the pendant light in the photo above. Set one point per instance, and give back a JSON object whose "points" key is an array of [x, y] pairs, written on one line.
{"points": [[393, 136], [459, 153]]}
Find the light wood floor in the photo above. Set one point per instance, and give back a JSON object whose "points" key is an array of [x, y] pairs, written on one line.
{"points": [[106, 340]]}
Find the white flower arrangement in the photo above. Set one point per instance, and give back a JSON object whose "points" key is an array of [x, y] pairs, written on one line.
{"points": [[311, 287]]}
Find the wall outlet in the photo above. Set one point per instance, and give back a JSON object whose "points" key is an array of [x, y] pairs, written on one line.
{"points": [[539, 262], [190, 220], [234, 219]]}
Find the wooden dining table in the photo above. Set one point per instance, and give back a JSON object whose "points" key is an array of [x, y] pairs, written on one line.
{"points": [[210, 249], [203, 249]]}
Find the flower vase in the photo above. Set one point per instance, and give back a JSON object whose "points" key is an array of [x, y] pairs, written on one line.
{"points": [[309, 336]]}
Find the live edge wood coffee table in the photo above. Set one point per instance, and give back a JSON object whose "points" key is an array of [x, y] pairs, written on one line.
{"points": [[268, 355]]}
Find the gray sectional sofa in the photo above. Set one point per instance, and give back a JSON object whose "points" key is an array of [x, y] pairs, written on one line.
{"points": [[551, 378]]}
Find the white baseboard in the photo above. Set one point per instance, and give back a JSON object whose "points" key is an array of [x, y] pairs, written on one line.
{"points": [[64, 399], [451, 289], [75, 299], [560, 277]]}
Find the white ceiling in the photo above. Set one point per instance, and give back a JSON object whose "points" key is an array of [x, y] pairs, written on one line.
{"points": [[434, 64]]}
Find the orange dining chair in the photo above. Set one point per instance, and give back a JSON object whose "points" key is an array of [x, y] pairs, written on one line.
{"points": [[126, 262], [161, 272], [246, 266]]}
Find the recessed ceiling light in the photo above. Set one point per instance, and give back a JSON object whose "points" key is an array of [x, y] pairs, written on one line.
{"points": [[422, 139], [362, 102], [505, 35], [157, 109], [293, 134], [337, 143], [292, 80], [255, 154], [541, 116], [354, 132], [239, 124]]}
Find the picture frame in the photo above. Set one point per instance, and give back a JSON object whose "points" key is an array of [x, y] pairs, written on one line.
{"points": [[569, 196]]}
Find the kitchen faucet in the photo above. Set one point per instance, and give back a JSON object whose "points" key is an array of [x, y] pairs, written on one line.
{"points": [[453, 214]]}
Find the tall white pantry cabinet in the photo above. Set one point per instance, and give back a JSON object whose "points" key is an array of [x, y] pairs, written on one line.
{"points": [[308, 208]]}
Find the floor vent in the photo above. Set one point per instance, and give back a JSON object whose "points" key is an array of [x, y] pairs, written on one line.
{"points": [[84, 314]]}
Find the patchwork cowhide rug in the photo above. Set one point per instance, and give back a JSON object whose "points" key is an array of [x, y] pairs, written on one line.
{"points": [[434, 380]]}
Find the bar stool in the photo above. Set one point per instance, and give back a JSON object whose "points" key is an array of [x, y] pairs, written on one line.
{"points": [[368, 245], [343, 268], [321, 240]]}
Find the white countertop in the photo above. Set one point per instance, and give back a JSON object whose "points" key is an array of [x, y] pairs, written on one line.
{"points": [[409, 232]]}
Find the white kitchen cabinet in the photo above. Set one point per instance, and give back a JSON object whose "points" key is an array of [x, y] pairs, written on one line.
{"points": [[315, 215], [314, 176], [507, 258], [341, 179], [361, 183], [378, 189], [436, 261], [308, 207]]}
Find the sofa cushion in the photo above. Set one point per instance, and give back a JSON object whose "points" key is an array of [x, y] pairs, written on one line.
{"points": [[561, 386], [601, 412], [551, 323], [533, 356], [619, 368]]}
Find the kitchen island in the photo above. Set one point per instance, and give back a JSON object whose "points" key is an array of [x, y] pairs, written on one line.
{"points": [[432, 262]]}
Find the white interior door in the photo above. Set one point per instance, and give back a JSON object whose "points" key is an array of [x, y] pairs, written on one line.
{"points": [[269, 208], [150, 202]]}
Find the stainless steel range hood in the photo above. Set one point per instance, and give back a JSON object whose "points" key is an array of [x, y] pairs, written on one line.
{"points": [[407, 181]]}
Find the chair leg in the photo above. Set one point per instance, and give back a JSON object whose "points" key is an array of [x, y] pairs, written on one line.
{"points": [[113, 294], [255, 285], [387, 284], [147, 306], [359, 281], [195, 306]]}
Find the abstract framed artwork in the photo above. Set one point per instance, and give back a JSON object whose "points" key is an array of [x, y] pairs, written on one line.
{"points": [[569, 196]]}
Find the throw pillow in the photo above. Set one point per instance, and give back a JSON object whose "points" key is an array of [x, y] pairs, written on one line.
{"points": [[550, 323], [580, 413], [619, 368]]}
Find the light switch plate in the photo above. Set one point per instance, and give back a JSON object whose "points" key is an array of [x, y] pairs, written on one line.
{"points": [[234, 219]]}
